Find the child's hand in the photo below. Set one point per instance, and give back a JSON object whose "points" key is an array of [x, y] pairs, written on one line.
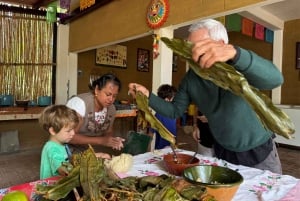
{"points": [[62, 170], [103, 155], [65, 169]]}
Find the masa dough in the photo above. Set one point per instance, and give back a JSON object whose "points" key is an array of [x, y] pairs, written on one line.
{"points": [[121, 163]]}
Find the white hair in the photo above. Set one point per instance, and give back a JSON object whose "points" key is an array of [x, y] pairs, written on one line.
{"points": [[216, 29]]}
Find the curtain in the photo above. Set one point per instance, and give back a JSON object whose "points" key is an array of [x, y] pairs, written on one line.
{"points": [[26, 55]]}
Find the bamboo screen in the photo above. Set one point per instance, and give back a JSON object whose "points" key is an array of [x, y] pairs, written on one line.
{"points": [[26, 52]]}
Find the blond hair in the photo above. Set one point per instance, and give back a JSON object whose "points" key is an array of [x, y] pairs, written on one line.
{"points": [[57, 117]]}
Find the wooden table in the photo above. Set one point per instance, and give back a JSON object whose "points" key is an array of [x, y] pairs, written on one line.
{"points": [[124, 122], [18, 113]]}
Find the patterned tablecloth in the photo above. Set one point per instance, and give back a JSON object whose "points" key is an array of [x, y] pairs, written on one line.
{"points": [[257, 185]]}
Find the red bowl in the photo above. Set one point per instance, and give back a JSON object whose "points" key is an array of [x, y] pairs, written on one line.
{"points": [[176, 168]]}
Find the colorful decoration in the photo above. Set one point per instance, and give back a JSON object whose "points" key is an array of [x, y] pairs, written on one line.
{"points": [[269, 35], [157, 13], [155, 46], [84, 4], [51, 13], [247, 27], [64, 6], [233, 22], [259, 32]]}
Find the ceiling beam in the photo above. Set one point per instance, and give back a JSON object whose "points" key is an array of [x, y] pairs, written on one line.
{"points": [[78, 13], [22, 10], [42, 3]]}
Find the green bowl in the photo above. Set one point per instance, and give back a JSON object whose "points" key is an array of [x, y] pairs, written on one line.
{"points": [[221, 182]]}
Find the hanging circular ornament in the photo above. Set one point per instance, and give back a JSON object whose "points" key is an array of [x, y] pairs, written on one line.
{"points": [[157, 13]]}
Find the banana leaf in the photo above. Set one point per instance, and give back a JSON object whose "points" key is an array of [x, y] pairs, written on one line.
{"points": [[226, 77]]}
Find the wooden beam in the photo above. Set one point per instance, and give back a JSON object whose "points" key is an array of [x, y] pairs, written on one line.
{"points": [[77, 13], [22, 10], [42, 3]]}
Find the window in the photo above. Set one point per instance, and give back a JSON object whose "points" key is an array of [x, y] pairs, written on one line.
{"points": [[26, 55]]}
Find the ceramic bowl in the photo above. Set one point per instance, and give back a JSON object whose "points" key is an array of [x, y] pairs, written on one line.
{"points": [[6, 100], [220, 182], [22, 103], [44, 100], [176, 168]]}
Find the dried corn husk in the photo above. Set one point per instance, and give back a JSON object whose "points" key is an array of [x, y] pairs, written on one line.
{"points": [[226, 77], [142, 104], [99, 185]]}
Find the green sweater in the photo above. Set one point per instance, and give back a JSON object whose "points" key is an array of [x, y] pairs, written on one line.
{"points": [[233, 122]]}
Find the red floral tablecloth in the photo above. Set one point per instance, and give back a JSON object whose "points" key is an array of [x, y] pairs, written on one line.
{"points": [[28, 188]]}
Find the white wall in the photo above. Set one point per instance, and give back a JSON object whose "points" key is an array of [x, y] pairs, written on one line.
{"points": [[66, 68], [294, 113]]}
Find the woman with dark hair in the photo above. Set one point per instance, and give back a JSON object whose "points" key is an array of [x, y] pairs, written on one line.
{"points": [[97, 113]]}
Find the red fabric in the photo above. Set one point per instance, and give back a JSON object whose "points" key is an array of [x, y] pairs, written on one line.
{"points": [[247, 27], [28, 188], [259, 32]]}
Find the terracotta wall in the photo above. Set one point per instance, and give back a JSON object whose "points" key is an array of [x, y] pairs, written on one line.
{"points": [[120, 20], [260, 47], [86, 64], [291, 88], [87, 67]]}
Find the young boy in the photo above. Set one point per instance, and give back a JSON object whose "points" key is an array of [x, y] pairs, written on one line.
{"points": [[166, 92], [59, 121]]}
